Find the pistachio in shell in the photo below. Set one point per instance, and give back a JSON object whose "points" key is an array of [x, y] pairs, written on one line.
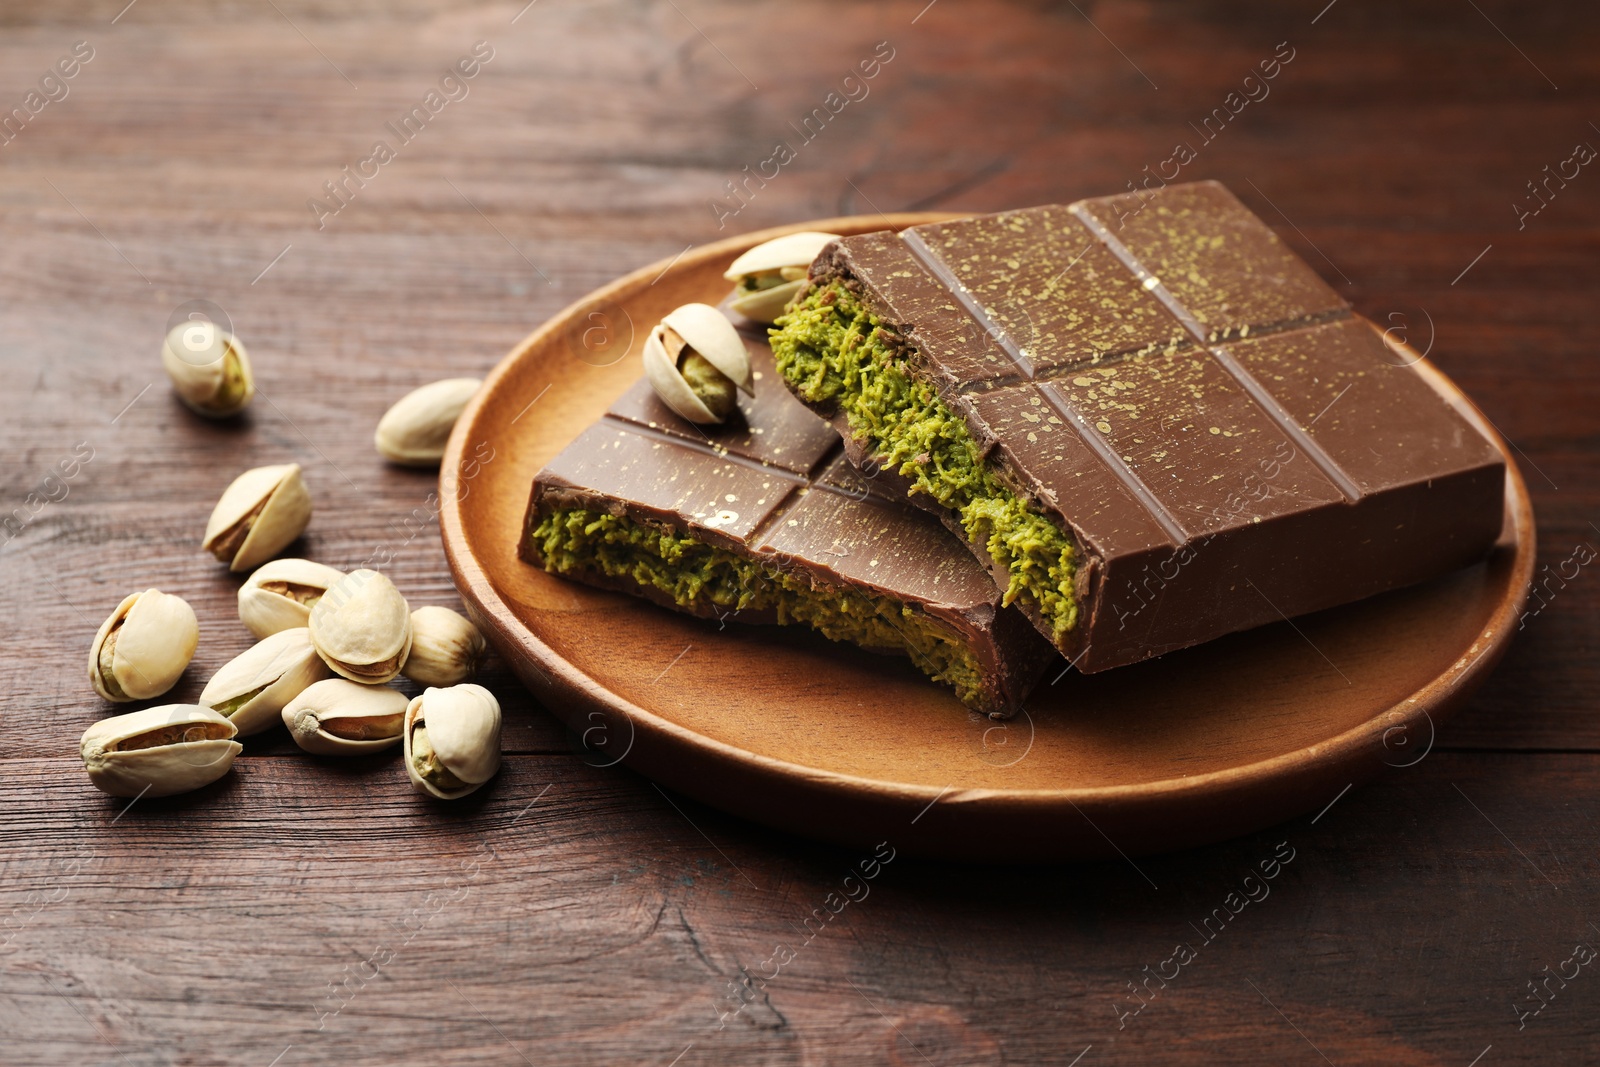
{"points": [[768, 277], [209, 368], [452, 740], [445, 648], [158, 752], [413, 432], [251, 689], [338, 717], [259, 514], [696, 362], [280, 594], [362, 627], [143, 647]]}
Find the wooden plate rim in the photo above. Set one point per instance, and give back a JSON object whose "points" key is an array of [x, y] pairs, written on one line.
{"points": [[1439, 695]]}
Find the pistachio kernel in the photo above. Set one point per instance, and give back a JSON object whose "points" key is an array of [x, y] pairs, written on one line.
{"points": [[715, 389], [428, 767]]}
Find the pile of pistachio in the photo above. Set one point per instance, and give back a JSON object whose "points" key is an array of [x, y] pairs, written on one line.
{"points": [[328, 642]]}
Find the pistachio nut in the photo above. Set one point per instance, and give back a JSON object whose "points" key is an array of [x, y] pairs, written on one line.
{"points": [[251, 689], [259, 514], [336, 717], [280, 594], [695, 360], [414, 431], [158, 751], [445, 647], [209, 368], [362, 627], [143, 647], [767, 277], [452, 739]]}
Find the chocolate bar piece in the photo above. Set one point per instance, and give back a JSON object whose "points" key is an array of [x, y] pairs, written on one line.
{"points": [[1151, 420], [762, 520]]}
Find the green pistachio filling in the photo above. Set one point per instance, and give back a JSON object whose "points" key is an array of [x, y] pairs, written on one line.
{"points": [[698, 575], [427, 762], [230, 707], [833, 351]]}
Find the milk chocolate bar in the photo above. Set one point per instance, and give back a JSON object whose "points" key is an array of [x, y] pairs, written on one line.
{"points": [[1148, 418], [762, 520]]}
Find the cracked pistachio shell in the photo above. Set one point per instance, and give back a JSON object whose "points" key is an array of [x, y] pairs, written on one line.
{"points": [[143, 647], [765, 305], [260, 513], [452, 740], [445, 648], [279, 595], [337, 717], [158, 751], [362, 627], [414, 431], [706, 331], [669, 384], [209, 368], [790, 250], [251, 689], [782, 263]]}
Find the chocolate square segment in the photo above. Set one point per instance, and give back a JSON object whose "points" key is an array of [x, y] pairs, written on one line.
{"points": [[1369, 412], [1054, 293], [727, 495], [772, 487], [1216, 265], [1163, 379]]}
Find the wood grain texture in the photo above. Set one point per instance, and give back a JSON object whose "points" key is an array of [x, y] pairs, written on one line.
{"points": [[1388, 153]]}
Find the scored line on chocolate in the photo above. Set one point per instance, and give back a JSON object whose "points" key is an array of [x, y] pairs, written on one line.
{"points": [[934, 265], [1274, 410], [650, 433], [1091, 437], [1108, 455], [798, 484], [1258, 393]]}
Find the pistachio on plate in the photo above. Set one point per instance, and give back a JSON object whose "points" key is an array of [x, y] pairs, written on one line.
{"points": [[362, 627], [768, 276], [696, 362], [337, 717], [158, 751], [251, 689], [209, 368], [280, 594], [452, 740], [143, 647], [445, 648], [260, 513], [413, 432]]}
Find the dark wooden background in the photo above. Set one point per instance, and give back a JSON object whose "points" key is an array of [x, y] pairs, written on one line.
{"points": [[304, 913]]}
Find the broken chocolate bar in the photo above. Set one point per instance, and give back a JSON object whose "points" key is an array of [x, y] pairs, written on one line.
{"points": [[763, 521], [1152, 421]]}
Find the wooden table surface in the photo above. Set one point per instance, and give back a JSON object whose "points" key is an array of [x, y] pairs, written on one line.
{"points": [[302, 913]]}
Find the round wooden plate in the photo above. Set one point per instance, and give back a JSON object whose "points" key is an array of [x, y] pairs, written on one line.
{"points": [[786, 728]]}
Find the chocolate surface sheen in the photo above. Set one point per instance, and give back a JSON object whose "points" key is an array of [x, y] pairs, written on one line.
{"points": [[772, 487], [1225, 443]]}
